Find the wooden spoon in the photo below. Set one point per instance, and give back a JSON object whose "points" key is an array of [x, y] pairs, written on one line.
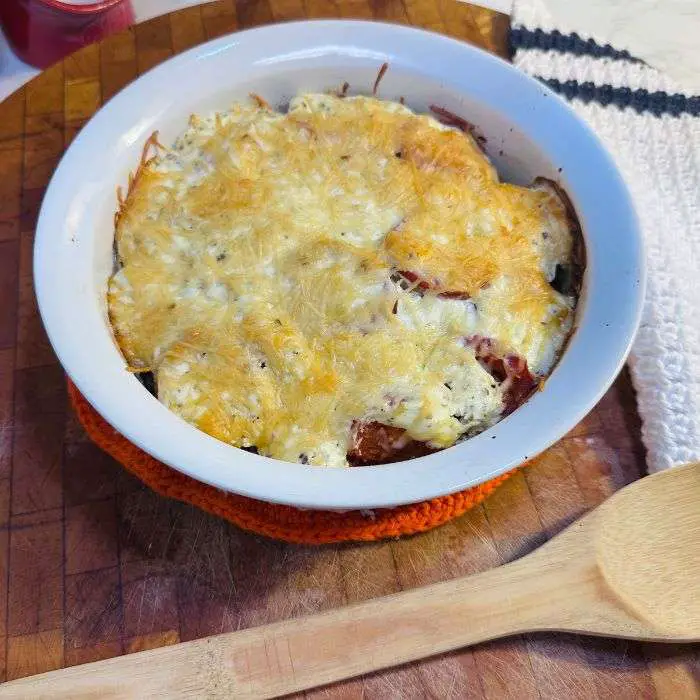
{"points": [[631, 568]]}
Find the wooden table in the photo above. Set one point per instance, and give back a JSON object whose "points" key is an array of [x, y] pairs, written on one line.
{"points": [[93, 565]]}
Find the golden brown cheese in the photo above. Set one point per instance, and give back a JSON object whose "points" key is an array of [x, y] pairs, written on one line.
{"points": [[259, 262]]}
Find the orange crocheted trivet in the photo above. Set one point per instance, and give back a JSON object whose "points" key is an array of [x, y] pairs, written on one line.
{"points": [[276, 521]]}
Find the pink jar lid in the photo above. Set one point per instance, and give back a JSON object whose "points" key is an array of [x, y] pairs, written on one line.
{"points": [[80, 6]]}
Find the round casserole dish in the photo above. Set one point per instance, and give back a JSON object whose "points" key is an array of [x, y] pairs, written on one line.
{"points": [[530, 132]]}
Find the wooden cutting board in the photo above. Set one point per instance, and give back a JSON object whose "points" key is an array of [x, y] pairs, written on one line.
{"points": [[93, 565]]}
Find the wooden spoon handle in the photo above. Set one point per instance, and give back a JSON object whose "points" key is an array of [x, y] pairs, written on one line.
{"points": [[296, 654]]}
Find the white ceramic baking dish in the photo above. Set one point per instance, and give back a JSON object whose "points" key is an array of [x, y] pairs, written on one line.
{"points": [[530, 132]]}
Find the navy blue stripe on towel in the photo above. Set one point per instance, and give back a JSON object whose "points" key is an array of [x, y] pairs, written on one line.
{"points": [[521, 38], [658, 103]]}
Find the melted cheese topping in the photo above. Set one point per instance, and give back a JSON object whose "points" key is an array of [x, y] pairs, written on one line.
{"points": [[257, 279]]}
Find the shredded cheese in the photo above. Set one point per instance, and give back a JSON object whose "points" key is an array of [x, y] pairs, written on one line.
{"points": [[260, 263]]}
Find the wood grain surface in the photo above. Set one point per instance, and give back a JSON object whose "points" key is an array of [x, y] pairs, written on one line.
{"points": [[93, 565]]}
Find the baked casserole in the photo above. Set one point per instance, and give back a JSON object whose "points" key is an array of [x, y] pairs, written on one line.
{"points": [[342, 282]]}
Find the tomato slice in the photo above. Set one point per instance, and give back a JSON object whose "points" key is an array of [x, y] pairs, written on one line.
{"points": [[377, 443], [425, 286], [510, 370]]}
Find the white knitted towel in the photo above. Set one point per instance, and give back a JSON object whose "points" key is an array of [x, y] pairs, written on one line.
{"points": [[652, 128]]}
